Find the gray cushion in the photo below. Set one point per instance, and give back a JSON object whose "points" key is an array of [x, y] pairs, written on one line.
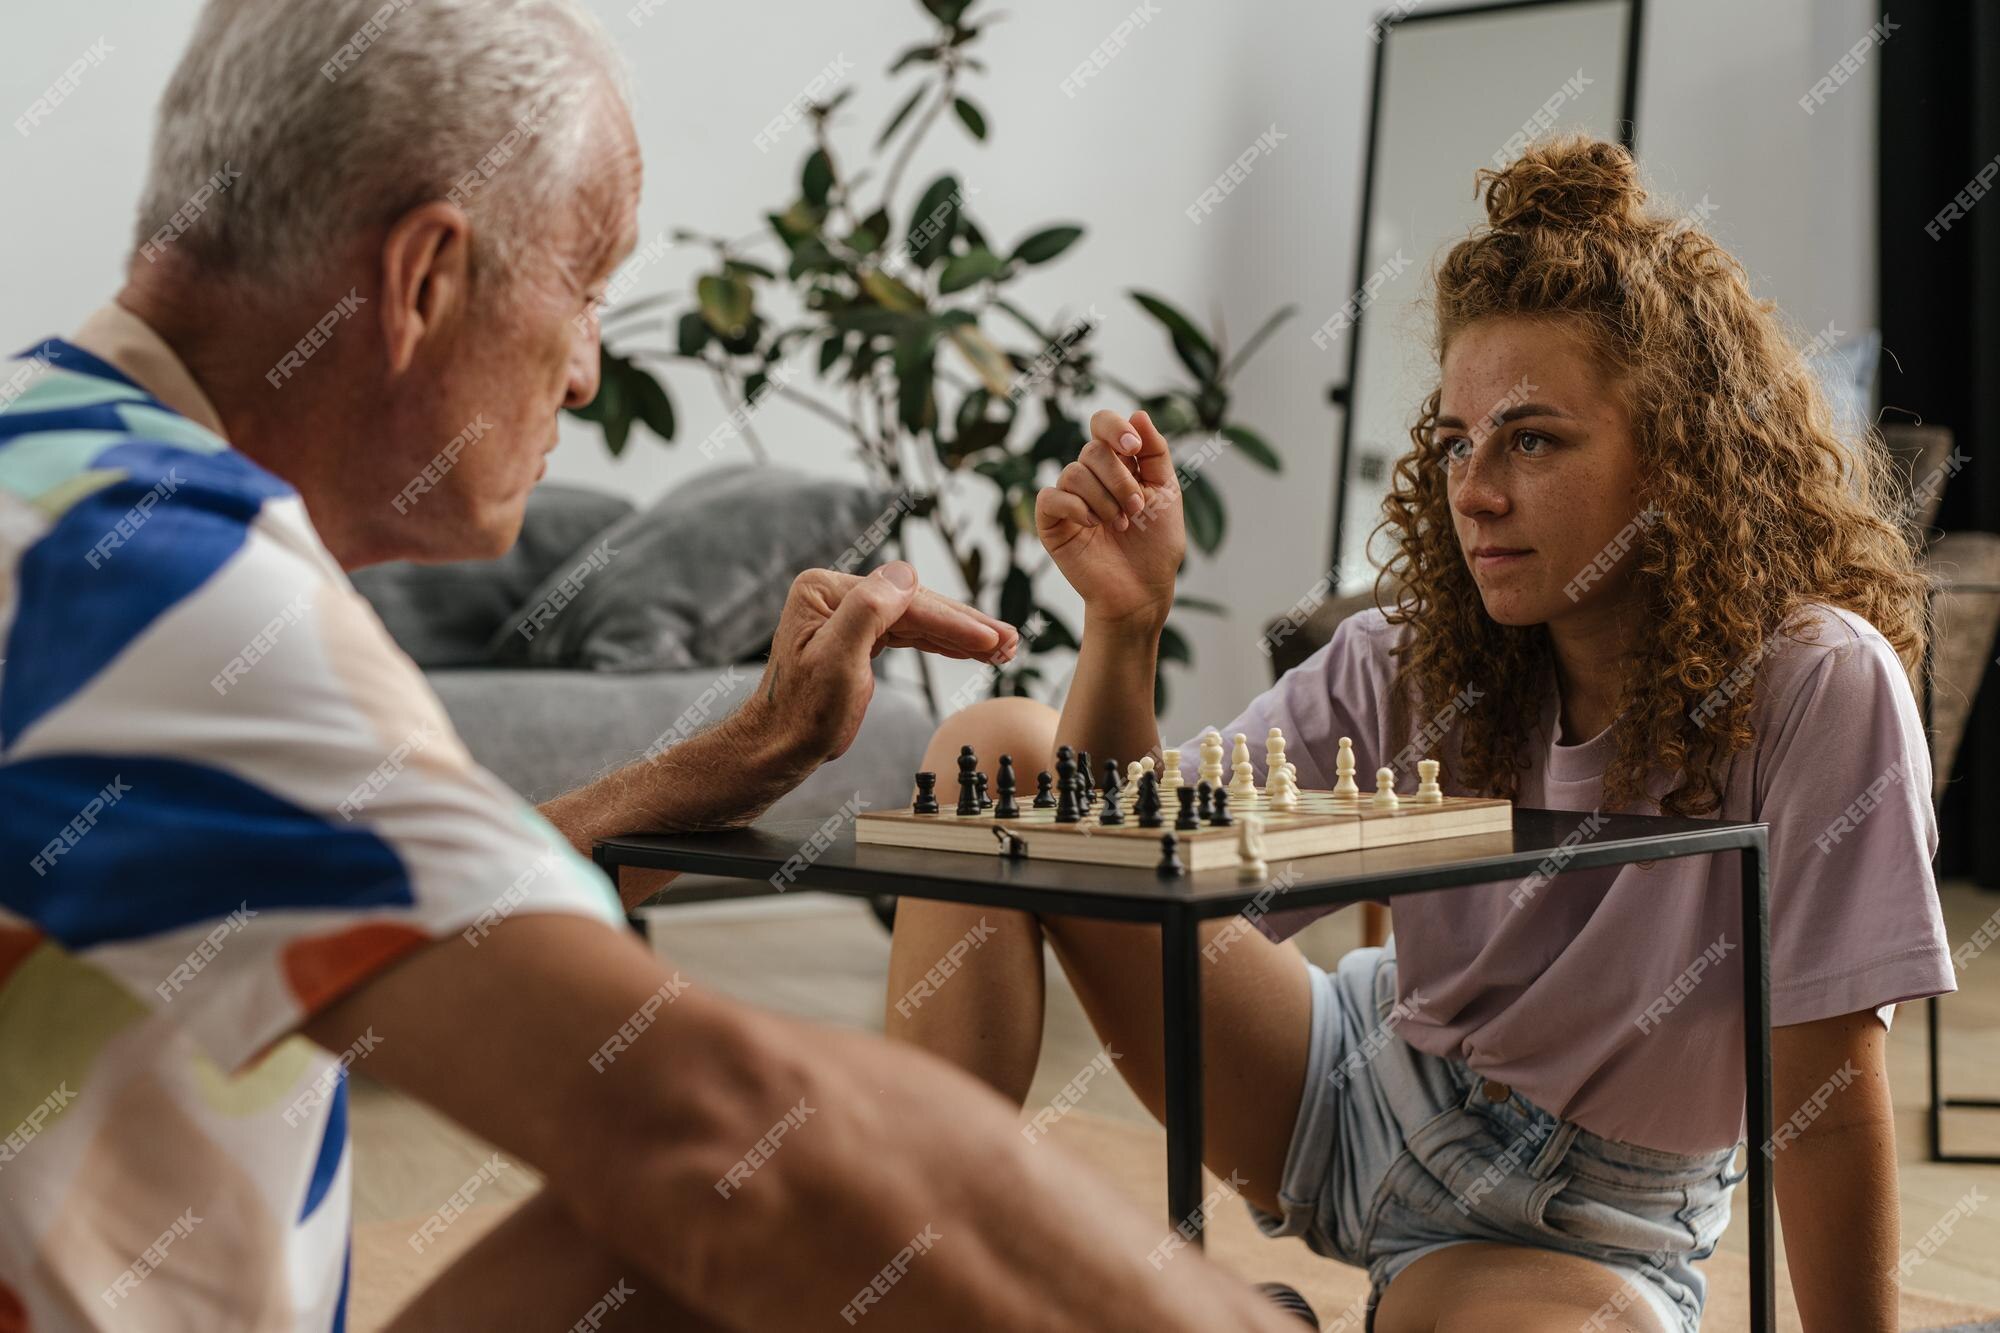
{"points": [[697, 579], [446, 615]]}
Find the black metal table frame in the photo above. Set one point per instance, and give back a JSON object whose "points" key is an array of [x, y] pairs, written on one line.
{"points": [[1179, 920]]}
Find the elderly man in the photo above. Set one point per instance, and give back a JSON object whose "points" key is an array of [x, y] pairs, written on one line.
{"points": [[366, 226]]}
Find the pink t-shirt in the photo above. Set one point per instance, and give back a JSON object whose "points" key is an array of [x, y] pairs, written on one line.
{"points": [[1613, 997]]}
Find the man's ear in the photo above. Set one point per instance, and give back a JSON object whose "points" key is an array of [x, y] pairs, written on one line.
{"points": [[426, 277]]}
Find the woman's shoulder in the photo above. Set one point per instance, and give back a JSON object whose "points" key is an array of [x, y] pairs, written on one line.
{"points": [[1827, 650]]}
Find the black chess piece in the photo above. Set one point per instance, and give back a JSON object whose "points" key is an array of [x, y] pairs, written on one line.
{"points": [[1112, 787], [1204, 806], [1170, 861], [968, 782], [1083, 776], [1111, 814], [1186, 819], [926, 795], [1066, 811], [1221, 818], [1044, 798], [1006, 809], [1147, 804], [985, 801]]}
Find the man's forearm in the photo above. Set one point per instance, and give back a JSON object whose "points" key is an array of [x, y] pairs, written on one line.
{"points": [[721, 778]]}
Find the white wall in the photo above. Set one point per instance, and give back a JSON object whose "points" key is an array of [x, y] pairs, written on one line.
{"points": [[1197, 84]]}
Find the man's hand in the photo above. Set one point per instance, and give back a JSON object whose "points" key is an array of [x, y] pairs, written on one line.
{"points": [[817, 686], [1113, 521]]}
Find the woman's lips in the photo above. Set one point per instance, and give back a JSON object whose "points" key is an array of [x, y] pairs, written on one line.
{"points": [[1498, 559]]}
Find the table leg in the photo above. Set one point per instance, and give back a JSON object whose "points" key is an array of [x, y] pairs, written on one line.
{"points": [[1756, 928], [1180, 977]]}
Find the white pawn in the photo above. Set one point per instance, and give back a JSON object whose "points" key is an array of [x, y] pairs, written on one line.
{"points": [[1385, 789], [1250, 867], [1283, 790], [1343, 767], [1211, 758], [1243, 788], [1427, 782], [1132, 772], [1170, 769], [1274, 754]]}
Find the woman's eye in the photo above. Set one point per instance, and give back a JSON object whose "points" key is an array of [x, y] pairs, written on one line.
{"points": [[1527, 435], [1451, 447]]}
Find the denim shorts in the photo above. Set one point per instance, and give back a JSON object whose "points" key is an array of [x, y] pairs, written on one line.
{"points": [[1396, 1153]]}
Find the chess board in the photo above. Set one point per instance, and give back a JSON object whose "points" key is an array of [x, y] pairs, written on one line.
{"points": [[1323, 823]]}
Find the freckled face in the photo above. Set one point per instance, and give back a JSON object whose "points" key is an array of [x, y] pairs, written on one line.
{"points": [[1542, 470]]}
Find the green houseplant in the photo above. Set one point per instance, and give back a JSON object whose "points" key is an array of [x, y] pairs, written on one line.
{"points": [[919, 355]]}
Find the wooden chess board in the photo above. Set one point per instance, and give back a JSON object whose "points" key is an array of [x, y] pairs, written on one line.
{"points": [[1323, 823]]}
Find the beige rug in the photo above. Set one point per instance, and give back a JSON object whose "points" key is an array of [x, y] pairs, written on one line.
{"points": [[387, 1272]]}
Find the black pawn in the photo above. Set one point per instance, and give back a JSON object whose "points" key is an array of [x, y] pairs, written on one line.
{"points": [[968, 783], [1203, 807], [1170, 861], [1066, 811], [1044, 798], [926, 795], [1006, 809], [1111, 813], [1112, 787], [1087, 790], [1148, 803], [1186, 819], [1221, 819], [985, 801]]}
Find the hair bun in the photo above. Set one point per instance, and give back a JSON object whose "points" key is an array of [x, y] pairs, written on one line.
{"points": [[1570, 181]]}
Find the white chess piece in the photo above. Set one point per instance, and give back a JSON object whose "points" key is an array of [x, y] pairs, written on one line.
{"points": [[1243, 786], [1146, 764], [1427, 782], [1283, 790], [1170, 769], [1385, 789], [1132, 772], [1344, 770], [1274, 755], [1250, 867], [1211, 758]]}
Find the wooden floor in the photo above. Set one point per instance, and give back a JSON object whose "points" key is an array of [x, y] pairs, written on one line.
{"points": [[826, 958]]}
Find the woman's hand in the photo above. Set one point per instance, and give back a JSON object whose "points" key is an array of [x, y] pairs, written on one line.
{"points": [[1113, 521]]}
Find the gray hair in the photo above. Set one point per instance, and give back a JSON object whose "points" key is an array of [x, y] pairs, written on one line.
{"points": [[289, 127]]}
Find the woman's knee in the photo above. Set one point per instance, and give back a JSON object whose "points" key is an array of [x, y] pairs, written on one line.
{"points": [[1023, 728]]}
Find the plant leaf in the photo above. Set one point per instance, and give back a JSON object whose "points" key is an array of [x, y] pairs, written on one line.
{"points": [[974, 265], [935, 222], [1046, 244], [890, 293], [829, 351], [1203, 508], [725, 303], [1213, 608], [1195, 350], [902, 114], [923, 52], [817, 178], [969, 113], [1253, 447], [987, 361], [694, 333], [1017, 597], [1174, 647], [1256, 340], [649, 398]]}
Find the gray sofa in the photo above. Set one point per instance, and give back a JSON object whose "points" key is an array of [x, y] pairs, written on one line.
{"points": [[661, 635]]}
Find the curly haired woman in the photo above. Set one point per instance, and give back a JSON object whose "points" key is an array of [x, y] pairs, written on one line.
{"points": [[1626, 523]]}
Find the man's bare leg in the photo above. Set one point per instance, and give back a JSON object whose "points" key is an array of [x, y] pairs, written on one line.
{"points": [[986, 1017], [538, 1271]]}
